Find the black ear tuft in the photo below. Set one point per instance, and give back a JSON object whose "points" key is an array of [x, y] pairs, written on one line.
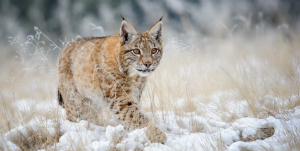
{"points": [[123, 17], [161, 18]]}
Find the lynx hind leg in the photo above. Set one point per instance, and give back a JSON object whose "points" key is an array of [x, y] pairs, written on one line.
{"points": [[77, 106], [70, 102]]}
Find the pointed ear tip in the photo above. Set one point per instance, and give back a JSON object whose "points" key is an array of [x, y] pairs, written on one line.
{"points": [[124, 22], [122, 17], [159, 23]]}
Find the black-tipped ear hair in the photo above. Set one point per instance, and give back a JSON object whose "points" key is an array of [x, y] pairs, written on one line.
{"points": [[122, 17], [161, 18]]}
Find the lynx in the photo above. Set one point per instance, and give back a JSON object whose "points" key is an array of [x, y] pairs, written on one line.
{"points": [[110, 72]]}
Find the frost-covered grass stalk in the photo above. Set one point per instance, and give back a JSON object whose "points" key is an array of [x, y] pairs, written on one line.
{"points": [[222, 93]]}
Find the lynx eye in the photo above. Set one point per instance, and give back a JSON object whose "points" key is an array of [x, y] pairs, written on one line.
{"points": [[136, 51], [154, 51]]}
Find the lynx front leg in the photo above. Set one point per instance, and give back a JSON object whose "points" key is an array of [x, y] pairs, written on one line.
{"points": [[128, 111]]}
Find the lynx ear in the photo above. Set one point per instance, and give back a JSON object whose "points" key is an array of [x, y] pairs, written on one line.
{"points": [[156, 31], [127, 32]]}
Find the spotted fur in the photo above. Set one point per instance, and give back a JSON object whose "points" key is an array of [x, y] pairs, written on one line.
{"points": [[106, 72]]}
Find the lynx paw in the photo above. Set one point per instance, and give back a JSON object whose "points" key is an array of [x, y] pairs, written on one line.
{"points": [[156, 135], [160, 137]]}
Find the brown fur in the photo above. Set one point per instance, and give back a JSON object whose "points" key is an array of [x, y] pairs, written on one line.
{"points": [[97, 72]]}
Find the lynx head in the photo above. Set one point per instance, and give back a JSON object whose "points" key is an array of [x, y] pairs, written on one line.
{"points": [[140, 53]]}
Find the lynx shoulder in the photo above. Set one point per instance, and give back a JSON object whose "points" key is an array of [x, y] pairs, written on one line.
{"points": [[109, 72]]}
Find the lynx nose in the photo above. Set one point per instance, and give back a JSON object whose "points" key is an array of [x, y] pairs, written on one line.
{"points": [[147, 64]]}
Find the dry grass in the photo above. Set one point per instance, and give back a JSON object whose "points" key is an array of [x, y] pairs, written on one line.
{"points": [[39, 138], [236, 68]]}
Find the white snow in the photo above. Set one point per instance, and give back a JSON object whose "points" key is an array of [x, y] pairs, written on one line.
{"points": [[211, 132], [5, 144]]}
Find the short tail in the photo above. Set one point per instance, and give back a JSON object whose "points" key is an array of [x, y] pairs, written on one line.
{"points": [[60, 99]]}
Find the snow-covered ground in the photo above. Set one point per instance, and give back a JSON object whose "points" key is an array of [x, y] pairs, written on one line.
{"points": [[208, 133]]}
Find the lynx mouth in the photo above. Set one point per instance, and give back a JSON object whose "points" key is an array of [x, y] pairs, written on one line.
{"points": [[146, 70]]}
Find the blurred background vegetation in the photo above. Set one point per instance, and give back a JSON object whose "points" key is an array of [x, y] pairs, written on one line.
{"points": [[61, 19]]}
